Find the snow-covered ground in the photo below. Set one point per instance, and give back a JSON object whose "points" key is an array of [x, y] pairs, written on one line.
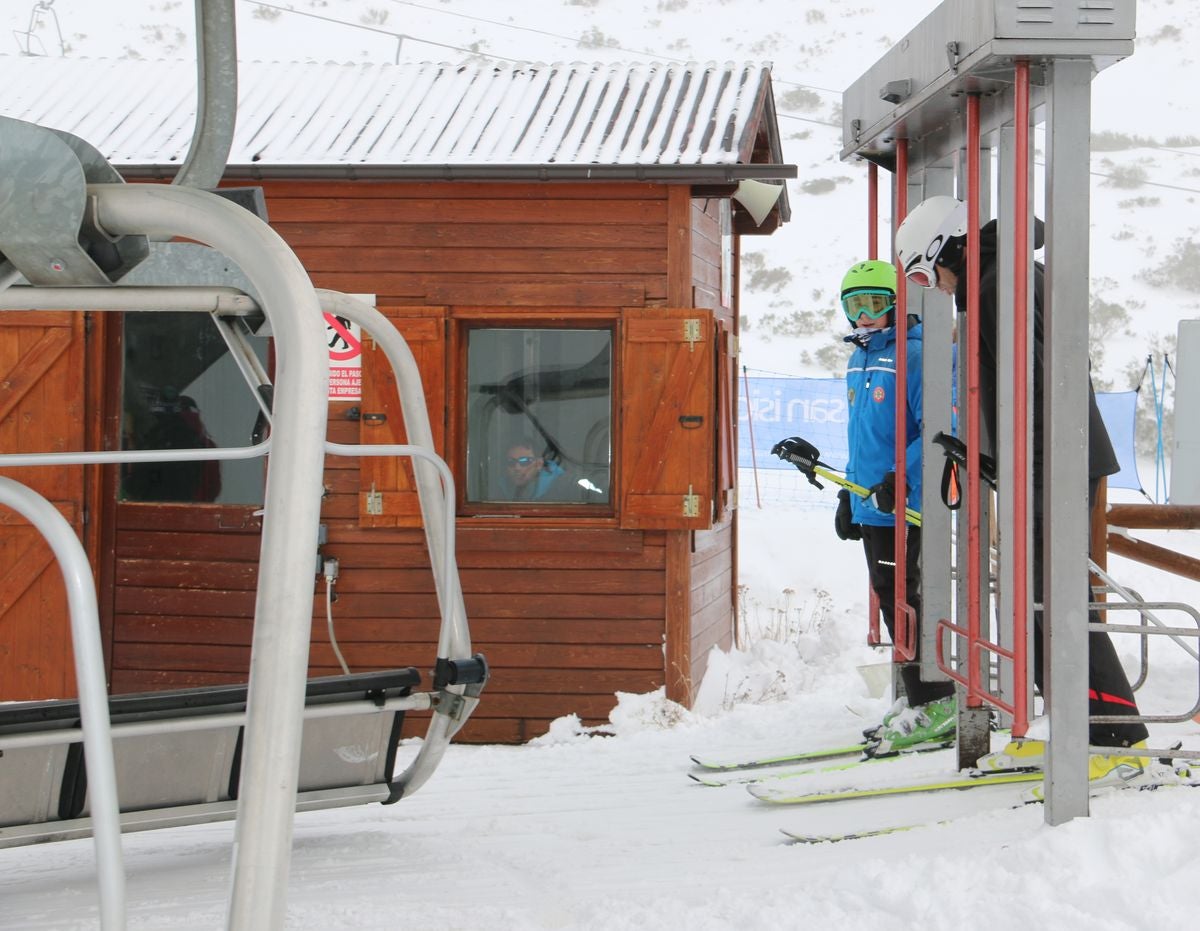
{"points": [[608, 833]]}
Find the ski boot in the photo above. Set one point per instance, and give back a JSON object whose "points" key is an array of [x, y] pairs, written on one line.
{"points": [[925, 726]]}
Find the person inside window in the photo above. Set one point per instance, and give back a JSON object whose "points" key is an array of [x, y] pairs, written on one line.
{"points": [[532, 477]]}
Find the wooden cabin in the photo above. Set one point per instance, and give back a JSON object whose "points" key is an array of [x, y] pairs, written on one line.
{"points": [[558, 245]]}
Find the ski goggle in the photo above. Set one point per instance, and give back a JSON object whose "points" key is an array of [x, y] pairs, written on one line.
{"points": [[923, 276], [874, 302]]}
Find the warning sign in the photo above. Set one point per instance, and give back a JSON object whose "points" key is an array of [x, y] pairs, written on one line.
{"points": [[345, 358]]}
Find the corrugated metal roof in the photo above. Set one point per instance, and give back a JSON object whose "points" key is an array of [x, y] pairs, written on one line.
{"points": [[142, 113]]}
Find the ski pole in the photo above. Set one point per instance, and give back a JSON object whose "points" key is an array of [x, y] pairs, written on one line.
{"points": [[805, 457]]}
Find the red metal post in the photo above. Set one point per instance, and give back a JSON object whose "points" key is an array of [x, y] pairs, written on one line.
{"points": [[1020, 398], [872, 210], [974, 491]]}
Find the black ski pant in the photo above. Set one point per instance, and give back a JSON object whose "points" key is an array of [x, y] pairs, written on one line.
{"points": [[879, 544], [1109, 691]]}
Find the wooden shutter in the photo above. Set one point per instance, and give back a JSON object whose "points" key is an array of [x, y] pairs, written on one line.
{"points": [[387, 489], [41, 410], [668, 429]]}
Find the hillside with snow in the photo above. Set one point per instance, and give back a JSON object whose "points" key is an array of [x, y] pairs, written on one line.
{"points": [[1146, 149]]}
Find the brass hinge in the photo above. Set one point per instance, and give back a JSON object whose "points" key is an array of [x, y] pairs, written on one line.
{"points": [[691, 504], [691, 333], [374, 501]]}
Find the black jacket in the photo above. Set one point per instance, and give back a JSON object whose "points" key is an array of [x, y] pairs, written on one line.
{"points": [[1102, 460]]}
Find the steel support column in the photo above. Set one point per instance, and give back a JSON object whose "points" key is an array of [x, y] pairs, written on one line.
{"points": [[1065, 419]]}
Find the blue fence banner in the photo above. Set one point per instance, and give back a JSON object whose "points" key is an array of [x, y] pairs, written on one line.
{"points": [[815, 409], [812, 408], [1119, 410]]}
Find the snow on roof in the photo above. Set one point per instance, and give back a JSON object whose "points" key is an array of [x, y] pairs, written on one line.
{"points": [[142, 113]]}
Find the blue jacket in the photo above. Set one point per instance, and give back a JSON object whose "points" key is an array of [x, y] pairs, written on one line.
{"points": [[550, 472], [871, 393]]}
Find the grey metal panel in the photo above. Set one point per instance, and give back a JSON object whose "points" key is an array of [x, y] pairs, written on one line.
{"points": [[1185, 450], [171, 769], [29, 784], [937, 317], [1057, 19], [1065, 594], [174, 776], [1005, 414], [968, 45], [345, 751]]}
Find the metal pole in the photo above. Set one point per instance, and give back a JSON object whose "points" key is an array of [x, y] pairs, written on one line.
{"points": [[873, 211], [1065, 418], [904, 645], [283, 610], [974, 485], [435, 492], [93, 692], [1020, 329], [216, 95]]}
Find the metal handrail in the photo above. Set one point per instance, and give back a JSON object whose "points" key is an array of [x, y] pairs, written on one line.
{"points": [[93, 693]]}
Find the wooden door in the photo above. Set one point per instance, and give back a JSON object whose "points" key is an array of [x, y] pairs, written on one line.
{"points": [[41, 410]]}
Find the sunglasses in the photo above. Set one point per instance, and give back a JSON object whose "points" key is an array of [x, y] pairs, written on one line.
{"points": [[874, 302], [520, 460]]}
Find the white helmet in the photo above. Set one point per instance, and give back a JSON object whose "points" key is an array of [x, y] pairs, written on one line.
{"points": [[925, 232]]}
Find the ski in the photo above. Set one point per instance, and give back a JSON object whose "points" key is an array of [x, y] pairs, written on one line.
{"points": [[790, 771], [781, 794], [1183, 781], [718, 764], [799, 838], [729, 764], [761, 774]]}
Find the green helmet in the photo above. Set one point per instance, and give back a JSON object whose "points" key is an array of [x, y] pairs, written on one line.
{"points": [[869, 288], [872, 274]]}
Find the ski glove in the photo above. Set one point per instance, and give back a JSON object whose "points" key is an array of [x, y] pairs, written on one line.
{"points": [[885, 493], [842, 523]]}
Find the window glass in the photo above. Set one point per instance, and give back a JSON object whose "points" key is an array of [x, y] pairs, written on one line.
{"points": [[539, 406], [182, 390]]}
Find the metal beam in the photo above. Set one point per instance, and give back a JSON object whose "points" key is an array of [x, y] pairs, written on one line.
{"points": [[967, 46], [1065, 441]]}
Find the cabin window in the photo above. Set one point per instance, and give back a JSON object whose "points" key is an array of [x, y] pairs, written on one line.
{"points": [[182, 390], [539, 416]]}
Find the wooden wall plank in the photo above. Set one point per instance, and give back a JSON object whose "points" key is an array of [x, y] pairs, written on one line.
{"points": [[368, 631], [451, 236], [491, 261], [530, 211], [679, 246], [442, 191]]}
